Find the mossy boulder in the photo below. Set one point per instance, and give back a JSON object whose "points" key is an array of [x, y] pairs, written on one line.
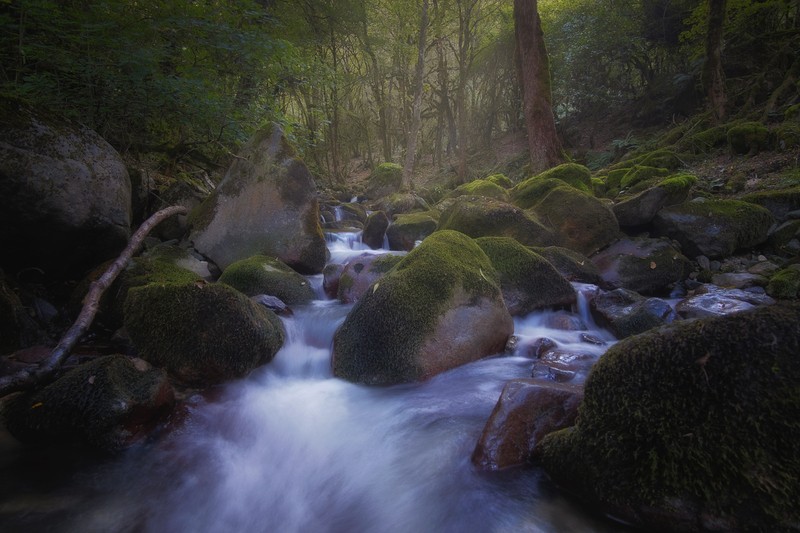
{"points": [[406, 230], [401, 202], [487, 217], [785, 284], [780, 202], [361, 272], [201, 333], [266, 204], [785, 239], [748, 138], [581, 222], [106, 404], [266, 275], [481, 188], [640, 208], [625, 312], [500, 179], [692, 426], [573, 265], [787, 136], [792, 113], [639, 173], [385, 179], [661, 158], [528, 281], [527, 193], [375, 229], [438, 308], [641, 264], [714, 228], [705, 141], [65, 195]]}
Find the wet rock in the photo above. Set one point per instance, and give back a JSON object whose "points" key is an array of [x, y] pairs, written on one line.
{"points": [[406, 230], [627, 313], [710, 300], [201, 333], [375, 230], [528, 281], [265, 205], [591, 339], [438, 308], [273, 303], [107, 404], [572, 265], [361, 272], [538, 347], [526, 411], [65, 195], [564, 322], [785, 237], [330, 279], [641, 264], [714, 228], [738, 280], [266, 275], [485, 217], [700, 412]]}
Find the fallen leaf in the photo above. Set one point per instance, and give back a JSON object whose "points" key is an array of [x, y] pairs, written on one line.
{"points": [[91, 380], [36, 405], [652, 265], [375, 288]]}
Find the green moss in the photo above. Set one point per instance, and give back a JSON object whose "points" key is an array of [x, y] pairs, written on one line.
{"points": [[409, 228], [500, 179], [528, 281], [481, 188], [201, 333], [678, 184], [401, 309], [785, 284], [530, 191], [573, 174], [599, 188], [792, 113], [266, 275], [787, 135], [572, 265], [402, 202], [699, 417], [614, 178], [385, 179], [779, 202], [705, 141], [748, 138], [639, 173]]}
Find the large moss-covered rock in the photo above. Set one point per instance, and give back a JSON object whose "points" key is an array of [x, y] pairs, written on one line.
{"points": [[641, 207], [106, 404], [439, 308], [201, 333], [529, 192], [386, 178], [406, 230], [481, 188], [266, 275], [572, 265], [785, 284], [500, 179], [401, 202], [714, 228], [65, 195], [692, 427], [748, 138], [266, 204], [779, 202], [639, 173], [581, 222], [486, 217], [527, 279], [641, 264]]}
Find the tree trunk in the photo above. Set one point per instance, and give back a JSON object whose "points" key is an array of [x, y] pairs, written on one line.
{"points": [[416, 110], [534, 76], [714, 75]]}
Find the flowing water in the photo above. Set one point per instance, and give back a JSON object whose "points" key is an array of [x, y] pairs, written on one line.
{"points": [[293, 449]]}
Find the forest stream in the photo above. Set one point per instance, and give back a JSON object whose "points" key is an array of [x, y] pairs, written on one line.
{"points": [[293, 449]]}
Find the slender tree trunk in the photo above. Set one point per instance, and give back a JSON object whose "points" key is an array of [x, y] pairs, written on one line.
{"points": [[378, 93], [534, 75], [334, 126], [416, 110], [714, 75]]}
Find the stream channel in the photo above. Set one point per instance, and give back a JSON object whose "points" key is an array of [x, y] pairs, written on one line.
{"points": [[293, 449]]}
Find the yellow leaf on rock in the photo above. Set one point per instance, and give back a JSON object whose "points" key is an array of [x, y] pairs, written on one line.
{"points": [[652, 265]]}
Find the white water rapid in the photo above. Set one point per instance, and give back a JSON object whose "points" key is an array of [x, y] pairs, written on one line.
{"points": [[293, 449]]}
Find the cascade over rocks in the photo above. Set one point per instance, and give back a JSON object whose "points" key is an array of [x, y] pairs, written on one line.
{"points": [[65, 195], [106, 404], [201, 333], [692, 426], [438, 308], [266, 204]]}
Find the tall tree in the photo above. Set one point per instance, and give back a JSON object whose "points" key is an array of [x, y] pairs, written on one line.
{"points": [[411, 144], [534, 76], [714, 75]]}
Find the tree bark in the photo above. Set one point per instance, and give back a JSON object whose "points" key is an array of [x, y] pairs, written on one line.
{"points": [[714, 75], [416, 110], [534, 75], [26, 379]]}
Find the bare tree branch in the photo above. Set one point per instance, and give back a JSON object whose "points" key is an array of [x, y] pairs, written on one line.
{"points": [[25, 379]]}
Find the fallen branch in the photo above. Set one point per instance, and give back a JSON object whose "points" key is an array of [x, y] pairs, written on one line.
{"points": [[25, 379]]}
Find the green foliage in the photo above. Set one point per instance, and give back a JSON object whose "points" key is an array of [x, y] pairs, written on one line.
{"points": [[785, 284]]}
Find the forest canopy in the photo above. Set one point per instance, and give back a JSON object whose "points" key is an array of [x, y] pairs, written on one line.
{"points": [[193, 79]]}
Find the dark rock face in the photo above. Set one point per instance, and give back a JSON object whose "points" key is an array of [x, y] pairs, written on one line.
{"points": [[641, 265], [407, 229], [527, 410], [714, 228], [65, 195], [201, 333], [106, 404], [375, 229], [626, 313], [438, 308], [361, 272], [709, 301], [266, 204], [691, 425]]}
